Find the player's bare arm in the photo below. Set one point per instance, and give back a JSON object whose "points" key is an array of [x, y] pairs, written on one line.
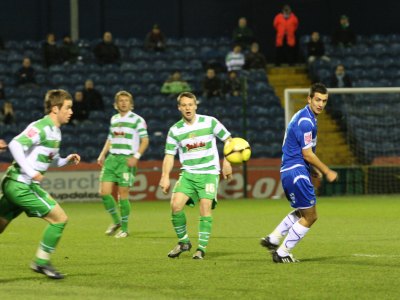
{"points": [[226, 165], [144, 144], [313, 159], [167, 166], [103, 153]]}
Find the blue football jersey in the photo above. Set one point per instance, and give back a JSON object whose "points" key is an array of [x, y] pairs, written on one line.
{"points": [[301, 133]]}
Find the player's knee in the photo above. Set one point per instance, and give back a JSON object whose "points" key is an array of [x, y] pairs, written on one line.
{"points": [[175, 207]]}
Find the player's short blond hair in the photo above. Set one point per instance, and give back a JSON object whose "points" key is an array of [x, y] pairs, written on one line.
{"points": [[123, 93], [187, 95], [55, 98]]}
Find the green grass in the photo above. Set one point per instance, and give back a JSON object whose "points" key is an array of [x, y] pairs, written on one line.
{"points": [[352, 252]]}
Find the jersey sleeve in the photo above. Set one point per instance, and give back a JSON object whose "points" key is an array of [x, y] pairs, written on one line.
{"points": [[29, 137], [304, 133], [171, 145], [219, 130], [142, 128]]}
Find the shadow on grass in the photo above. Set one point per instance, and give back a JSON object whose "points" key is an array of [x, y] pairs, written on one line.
{"points": [[19, 279]]}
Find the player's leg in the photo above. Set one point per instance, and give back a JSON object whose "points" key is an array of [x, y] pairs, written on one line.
{"points": [[207, 186], [8, 211], [178, 219], [3, 224], [300, 191], [272, 241], [125, 179], [108, 179], [205, 227], [106, 190], [36, 202], [125, 210]]}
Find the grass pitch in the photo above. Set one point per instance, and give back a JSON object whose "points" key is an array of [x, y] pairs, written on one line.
{"points": [[352, 252]]}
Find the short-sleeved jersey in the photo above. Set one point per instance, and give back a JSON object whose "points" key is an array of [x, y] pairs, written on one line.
{"points": [[301, 133], [126, 132], [196, 144], [41, 143]]}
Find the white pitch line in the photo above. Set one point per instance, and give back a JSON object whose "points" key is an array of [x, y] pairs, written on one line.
{"points": [[374, 255]]}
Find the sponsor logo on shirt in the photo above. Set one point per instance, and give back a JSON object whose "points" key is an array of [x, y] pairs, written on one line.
{"points": [[118, 133], [195, 146]]}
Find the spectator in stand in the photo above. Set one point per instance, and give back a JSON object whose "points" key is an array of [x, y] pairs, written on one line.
{"points": [[316, 49], [340, 79], [175, 85], [243, 35], [69, 51], [106, 52], [2, 91], [51, 52], [7, 113], [26, 74], [343, 35], [232, 85], [81, 108], [155, 39], [255, 59], [234, 60], [285, 24], [212, 86], [92, 96]]}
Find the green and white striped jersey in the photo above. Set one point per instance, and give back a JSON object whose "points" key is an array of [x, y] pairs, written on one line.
{"points": [[126, 132], [41, 143], [196, 144]]}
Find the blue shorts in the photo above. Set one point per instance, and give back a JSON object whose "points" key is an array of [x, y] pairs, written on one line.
{"points": [[298, 188]]}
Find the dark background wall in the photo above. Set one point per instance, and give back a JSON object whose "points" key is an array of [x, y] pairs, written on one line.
{"points": [[32, 19]]}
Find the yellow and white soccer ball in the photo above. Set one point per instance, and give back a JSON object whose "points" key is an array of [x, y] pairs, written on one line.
{"points": [[237, 150]]}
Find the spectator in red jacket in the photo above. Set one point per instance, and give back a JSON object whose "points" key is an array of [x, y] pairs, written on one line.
{"points": [[285, 24]]}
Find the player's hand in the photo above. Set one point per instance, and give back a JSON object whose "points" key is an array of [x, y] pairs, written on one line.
{"points": [[3, 146], [165, 184], [227, 170], [132, 162], [100, 161], [331, 176], [38, 177], [316, 173], [74, 159]]}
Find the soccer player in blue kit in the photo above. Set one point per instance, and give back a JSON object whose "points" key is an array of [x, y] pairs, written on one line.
{"points": [[299, 163]]}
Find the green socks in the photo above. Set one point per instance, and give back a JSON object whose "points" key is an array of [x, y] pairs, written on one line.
{"points": [[179, 222], [111, 207], [51, 237], [125, 208], [205, 226]]}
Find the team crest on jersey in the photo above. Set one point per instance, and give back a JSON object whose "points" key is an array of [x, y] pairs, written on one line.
{"points": [[307, 138]]}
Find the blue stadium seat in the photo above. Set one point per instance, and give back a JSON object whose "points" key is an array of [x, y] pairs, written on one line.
{"points": [[130, 77]]}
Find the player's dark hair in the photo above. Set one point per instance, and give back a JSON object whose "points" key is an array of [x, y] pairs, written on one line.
{"points": [[187, 95], [55, 98], [318, 87]]}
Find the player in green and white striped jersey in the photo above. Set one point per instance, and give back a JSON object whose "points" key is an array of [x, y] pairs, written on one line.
{"points": [[126, 143], [194, 137], [34, 150]]}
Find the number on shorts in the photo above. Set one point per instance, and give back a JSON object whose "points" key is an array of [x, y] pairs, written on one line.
{"points": [[210, 188]]}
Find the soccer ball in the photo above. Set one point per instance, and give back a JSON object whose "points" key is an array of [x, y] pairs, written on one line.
{"points": [[237, 150]]}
